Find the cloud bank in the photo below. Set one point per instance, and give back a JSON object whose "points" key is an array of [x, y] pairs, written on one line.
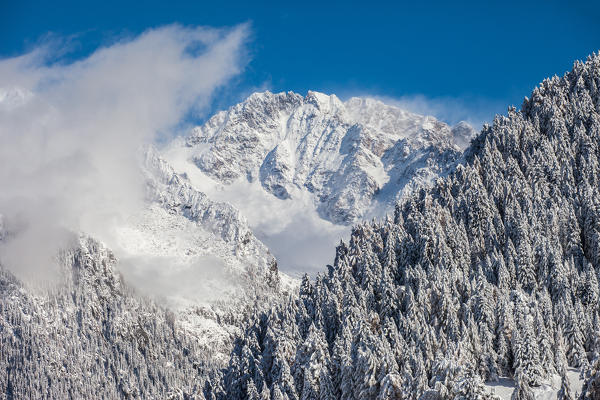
{"points": [[475, 111], [301, 241], [70, 131]]}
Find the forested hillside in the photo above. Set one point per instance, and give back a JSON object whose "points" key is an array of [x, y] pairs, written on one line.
{"points": [[492, 272], [92, 337]]}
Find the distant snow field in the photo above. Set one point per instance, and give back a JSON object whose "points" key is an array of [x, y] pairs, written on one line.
{"points": [[505, 387]]}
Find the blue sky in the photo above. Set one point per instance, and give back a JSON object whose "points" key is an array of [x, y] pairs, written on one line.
{"points": [[437, 57]]}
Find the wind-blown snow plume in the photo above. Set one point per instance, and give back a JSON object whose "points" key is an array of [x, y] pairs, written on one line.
{"points": [[69, 132], [474, 110]]}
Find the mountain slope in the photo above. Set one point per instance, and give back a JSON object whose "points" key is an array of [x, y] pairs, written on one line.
{"points": [[300, 169], [348, 155], [199, 255], [94, 335], [491, 272], [91, 337]]}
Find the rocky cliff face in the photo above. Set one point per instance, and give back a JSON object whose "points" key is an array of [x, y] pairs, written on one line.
{"points": [[353, 157], [198, 255]]}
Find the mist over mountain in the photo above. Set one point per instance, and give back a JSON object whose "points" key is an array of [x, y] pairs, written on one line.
{"points": [[301, 168], [292, 246], [185, 266], [492, 272]]}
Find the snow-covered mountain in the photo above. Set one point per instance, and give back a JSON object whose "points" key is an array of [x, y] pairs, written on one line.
{"points": [[194, 251], [198, 255], [486, 284], [91, 336], [354, 157], [302, 168]]}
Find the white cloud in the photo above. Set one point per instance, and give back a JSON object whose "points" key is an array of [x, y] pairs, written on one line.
{"points": [[301, 241], [475, 111], [69, 132]]}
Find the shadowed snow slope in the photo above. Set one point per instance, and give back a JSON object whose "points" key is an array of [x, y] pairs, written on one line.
{"points": [[197, 254]]}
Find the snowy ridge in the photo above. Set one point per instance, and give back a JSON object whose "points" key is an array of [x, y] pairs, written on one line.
{"points": [[176, 195], [199, 255], [487, 280], [354, 157], [196, 257]]}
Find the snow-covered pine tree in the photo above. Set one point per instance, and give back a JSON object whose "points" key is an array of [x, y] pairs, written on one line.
{"points": [[485, 270]]}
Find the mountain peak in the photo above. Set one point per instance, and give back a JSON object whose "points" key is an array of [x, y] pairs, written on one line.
{"points": [[324, 102], [340, 153], [498, 262], [462, 133]]}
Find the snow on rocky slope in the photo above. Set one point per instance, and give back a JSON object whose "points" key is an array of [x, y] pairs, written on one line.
{"points": [[349, 155], [199, 255], [312, 161], [303, 168], [196, 257]]}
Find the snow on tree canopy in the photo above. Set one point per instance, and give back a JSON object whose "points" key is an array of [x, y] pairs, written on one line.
{"points": [[491, 272]]}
